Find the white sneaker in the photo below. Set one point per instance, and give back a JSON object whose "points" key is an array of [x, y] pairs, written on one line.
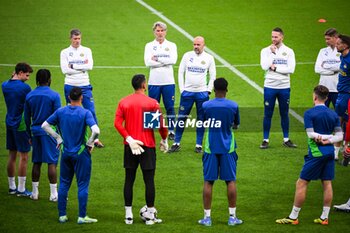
{"points": [[157, 220], [86, 219], [343, 207], [63, 219], [129, 221], [153, 221], [34, 196], [150, 222], [53, 198]]}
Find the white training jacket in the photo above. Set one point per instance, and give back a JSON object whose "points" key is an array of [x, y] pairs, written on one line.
{"points": [[192, 75], [82, 61], [284, 61], [328, 66], [161, 71]]}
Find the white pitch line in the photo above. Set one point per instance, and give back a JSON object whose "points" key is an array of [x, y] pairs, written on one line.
{"points": [[219, 58], [247, 65], [13, 65], [145, 67], [98, 67]]}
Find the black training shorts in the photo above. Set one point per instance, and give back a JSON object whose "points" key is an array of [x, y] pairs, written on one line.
{"points": [[147, 159]]}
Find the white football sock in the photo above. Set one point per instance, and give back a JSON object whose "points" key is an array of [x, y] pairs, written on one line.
{"points": [[266, 140], [285, 139], [53, 190], [207, 213], [21, 183], [128, 212], [12, 182], [325, 212], [232, 211], [151, 211], [197, 145], [295, 212], [35, 188], [336, 151]]}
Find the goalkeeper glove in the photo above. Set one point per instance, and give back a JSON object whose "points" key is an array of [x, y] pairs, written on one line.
{"points": [[164, 145], [135, 145], [346, 156]]}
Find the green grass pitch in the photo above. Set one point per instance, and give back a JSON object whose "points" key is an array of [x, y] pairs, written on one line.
{"points": [[117, 31]]}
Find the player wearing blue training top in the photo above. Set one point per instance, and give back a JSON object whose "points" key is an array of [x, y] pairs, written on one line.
{"points": [[40, 104], [220, 157], [320, 124], [343, 87], [15, 91], [72, 122]]}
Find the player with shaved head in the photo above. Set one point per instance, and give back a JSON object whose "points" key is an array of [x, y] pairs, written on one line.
{"points": [[194, 87]]}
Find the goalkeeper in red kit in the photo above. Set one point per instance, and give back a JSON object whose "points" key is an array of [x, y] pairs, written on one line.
{"points": [[136, 117]]}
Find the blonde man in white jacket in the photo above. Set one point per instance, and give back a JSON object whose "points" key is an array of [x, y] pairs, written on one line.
{"points": [[160, 56]]}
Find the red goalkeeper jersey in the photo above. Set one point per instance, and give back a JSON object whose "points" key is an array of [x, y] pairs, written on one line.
{"points": [[129, 119]]}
